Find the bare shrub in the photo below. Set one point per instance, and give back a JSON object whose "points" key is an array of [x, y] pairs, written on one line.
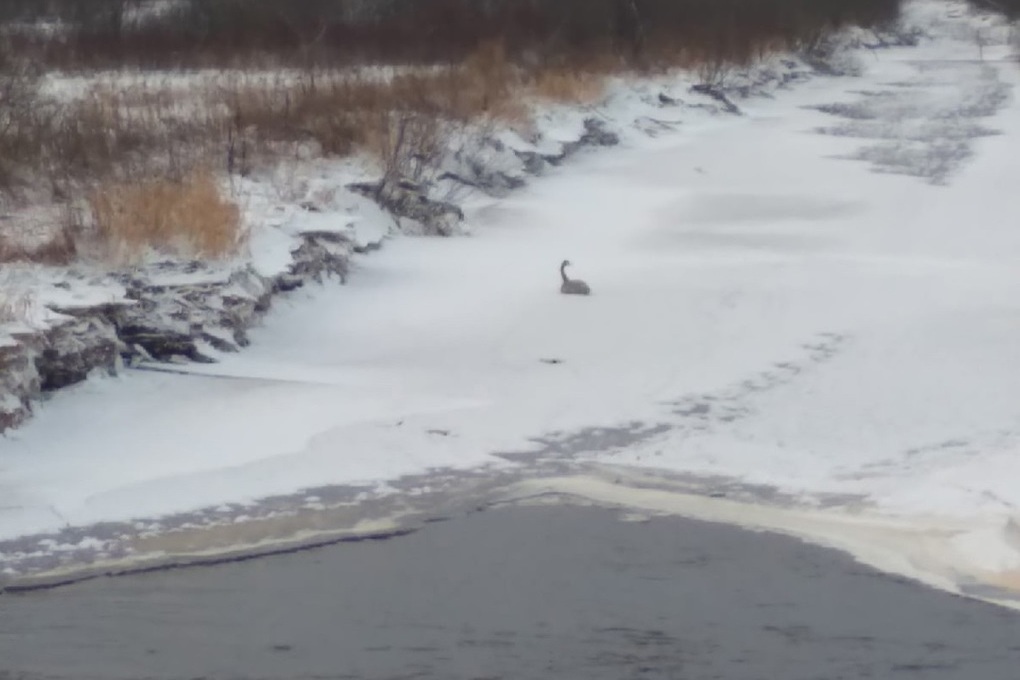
{"points": [[120, 135], [713, 71], [104, 135], [343, 113], [410, 146], [188, 217]]}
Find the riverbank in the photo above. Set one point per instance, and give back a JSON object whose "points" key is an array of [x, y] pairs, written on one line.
{"points": [[167, 195], [787, 310]]}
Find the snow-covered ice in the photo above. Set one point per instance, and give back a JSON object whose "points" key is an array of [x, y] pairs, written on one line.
{"points": [[821, 296]]}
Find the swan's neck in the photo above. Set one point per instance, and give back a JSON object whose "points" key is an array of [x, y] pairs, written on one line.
{"points": [[563, 272]]}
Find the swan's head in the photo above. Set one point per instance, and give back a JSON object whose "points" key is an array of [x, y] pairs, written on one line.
{"points": [[566, 263]]}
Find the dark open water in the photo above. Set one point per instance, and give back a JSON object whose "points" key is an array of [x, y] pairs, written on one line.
{"points": [[534, 592]]}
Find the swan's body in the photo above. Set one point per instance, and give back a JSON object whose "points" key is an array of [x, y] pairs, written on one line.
{"points": [[572, 286]]}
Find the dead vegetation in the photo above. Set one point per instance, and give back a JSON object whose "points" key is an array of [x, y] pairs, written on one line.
{"points": [[59, 247], [572, 87], [144, 157], [186, 216]]}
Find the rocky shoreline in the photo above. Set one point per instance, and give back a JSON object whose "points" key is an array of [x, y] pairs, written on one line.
{"points": [[155, 321], [182, 312]]}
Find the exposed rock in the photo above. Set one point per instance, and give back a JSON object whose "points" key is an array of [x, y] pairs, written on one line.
{"points": [[321, 255], [160, 321], [596, 133], [68, 351], [534, 163], [169, 322], [494, 184], [61, 355], [163, 344], [487, 166], [19, 380], [288, 282], [409, 200], [716, 94], [829, 60], [75, 350]]}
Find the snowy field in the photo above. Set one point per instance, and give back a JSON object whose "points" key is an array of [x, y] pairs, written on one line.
{"points": [[820, 298]]}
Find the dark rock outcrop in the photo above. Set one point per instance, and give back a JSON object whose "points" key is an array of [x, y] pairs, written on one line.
{"points": [[19, 381], [410, 200], [534, 162], [157, 322], [717, 94]]}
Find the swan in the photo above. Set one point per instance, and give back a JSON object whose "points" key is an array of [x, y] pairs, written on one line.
{"points": [[572, 286]]}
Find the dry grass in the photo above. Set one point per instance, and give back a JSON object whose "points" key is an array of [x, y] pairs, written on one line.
{"points": [[140, 154], [37, 235], [565, 86], [59, 249], [344, 114], [189, 217]]}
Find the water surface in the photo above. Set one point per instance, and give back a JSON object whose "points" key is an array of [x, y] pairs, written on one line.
{"points": [[520, 592]]}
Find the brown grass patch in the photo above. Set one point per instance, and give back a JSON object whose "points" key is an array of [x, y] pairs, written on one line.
{"points": [[574, 87], [457, 62], [189, 217], [343, 114]]}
